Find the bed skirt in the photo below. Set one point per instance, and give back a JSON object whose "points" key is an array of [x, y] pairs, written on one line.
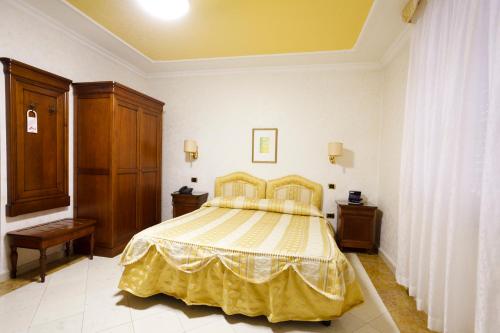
{"points": [[285, 297]]}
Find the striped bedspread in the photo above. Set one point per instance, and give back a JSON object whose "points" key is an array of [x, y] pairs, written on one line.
{"points": [[254, 238]]}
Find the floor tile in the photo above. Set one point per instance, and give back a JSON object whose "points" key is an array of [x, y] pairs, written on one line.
{"points": [[195, 316], [51, 309], [348, 322], [309, 327], [367, 329], [243, 324], [71, 324], [126, 328], [143, 307], [100, 318], [105, 298], [72, 288], [218, 326], [18, 321], [158, 323], [97, 284], [401, 306], [384, 323], [85, 295], [19, 299], [367, 311]]}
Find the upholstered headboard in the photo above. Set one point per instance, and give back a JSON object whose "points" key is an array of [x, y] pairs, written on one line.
{"points": [[296, 188], [240, 184]]}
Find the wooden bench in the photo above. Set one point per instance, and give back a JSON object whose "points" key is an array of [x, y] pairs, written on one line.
{"points": [[43, 236]]}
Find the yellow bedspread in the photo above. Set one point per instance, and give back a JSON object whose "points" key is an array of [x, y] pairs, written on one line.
{"points": [[260, 247]]}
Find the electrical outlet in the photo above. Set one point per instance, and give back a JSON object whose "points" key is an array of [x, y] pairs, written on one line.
{"points": [[330, 215], [331, 186], [194, 180]]}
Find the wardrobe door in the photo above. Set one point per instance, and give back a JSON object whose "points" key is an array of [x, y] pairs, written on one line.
{"points": [[93, 138], [126, 171], [150, 170]]}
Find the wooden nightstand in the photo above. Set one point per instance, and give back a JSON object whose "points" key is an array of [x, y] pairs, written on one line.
{"points": [[358, 226], [186, 203]]}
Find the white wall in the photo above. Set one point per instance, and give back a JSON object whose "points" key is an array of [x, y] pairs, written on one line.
{"points": [[362, 107], [309, 108], [391, 135], [36, 41]]}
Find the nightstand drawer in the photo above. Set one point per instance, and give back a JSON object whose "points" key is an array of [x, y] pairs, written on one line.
{"points": [[354, 210], [358, 227]]}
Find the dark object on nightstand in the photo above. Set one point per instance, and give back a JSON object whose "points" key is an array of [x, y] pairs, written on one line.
{"points": [[355, 198], [186, 203], [43, 236], [358, 226], [185, 190]]}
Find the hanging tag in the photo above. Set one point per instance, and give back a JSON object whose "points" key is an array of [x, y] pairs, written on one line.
{"points": [[32, 122]]}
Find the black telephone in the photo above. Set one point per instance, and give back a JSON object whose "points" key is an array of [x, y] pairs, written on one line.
{"points": [[186, 190], [355, 198]]}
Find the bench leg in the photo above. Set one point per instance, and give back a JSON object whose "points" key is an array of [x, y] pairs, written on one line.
{"points": [[91, 256], [13, 262], [43, 264], [67, 249]]}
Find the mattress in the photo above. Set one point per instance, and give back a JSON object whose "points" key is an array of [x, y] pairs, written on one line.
{"points": [[250, 256]]}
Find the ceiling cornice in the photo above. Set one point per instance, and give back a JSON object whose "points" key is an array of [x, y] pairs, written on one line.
{"points": [[368, 53], [359, 66], [27, 8], [401, 41], [106, 31]]}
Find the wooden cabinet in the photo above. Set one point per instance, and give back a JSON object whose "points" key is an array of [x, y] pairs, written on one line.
{"points": [[118, 133], [37, 160], [358, 226], [186, 203]]}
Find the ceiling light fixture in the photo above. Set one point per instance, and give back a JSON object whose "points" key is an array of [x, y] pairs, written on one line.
{"points": [[165, 9]]}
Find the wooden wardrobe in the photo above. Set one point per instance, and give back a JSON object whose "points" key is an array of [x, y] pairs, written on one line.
{"points": [[117, 135]]}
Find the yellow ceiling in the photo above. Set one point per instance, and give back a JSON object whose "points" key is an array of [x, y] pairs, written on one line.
{"points": [[227, 28]]}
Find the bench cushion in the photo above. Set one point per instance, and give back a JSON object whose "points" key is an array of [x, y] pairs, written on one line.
{"points": [[52, 230]]}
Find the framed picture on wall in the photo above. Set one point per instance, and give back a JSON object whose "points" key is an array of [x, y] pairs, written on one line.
{"points": [[264, 145]]}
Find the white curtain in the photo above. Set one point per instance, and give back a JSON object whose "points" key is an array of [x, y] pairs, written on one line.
{"points": [[449, 232]]}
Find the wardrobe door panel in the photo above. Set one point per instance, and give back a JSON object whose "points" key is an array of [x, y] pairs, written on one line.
{"points": [[150, 158], [149, 196], [127, 180], [149, 140], [93, 131], [126, 132], [93, 195], [126, 208]]}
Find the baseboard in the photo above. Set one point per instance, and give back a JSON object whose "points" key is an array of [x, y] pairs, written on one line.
{"points": [[31, 265], [387, 259]]}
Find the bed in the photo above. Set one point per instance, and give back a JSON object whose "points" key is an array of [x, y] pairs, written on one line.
{"points": [[257, 248]]}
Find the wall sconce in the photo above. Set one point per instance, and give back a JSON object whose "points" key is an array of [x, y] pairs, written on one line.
{"points": [[191, 148], [334, 149]]}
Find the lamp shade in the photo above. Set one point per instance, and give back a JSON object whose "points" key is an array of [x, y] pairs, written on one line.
{"points": [[190, 146], [335, 148]]}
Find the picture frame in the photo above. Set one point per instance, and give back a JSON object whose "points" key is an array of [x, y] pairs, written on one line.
{"points": [[264, 145]]}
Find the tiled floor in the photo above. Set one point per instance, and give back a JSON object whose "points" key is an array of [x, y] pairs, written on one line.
{"points": [[401, 306], [82, 297]]}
